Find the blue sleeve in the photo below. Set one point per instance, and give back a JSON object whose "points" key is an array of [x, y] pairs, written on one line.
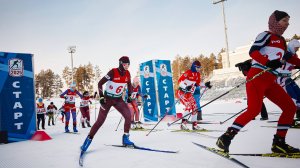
{"points": [[79, 94], [65, 92]]}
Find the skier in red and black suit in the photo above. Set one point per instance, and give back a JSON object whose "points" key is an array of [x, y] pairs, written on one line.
{"points": [[116, 80], [69, 105], [187, 85], [268, 52], [84, 108]]}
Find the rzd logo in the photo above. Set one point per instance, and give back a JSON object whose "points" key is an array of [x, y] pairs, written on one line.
{"points": [[16, 67]]}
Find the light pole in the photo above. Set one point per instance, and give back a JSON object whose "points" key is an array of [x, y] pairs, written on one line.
{"points": [[225, 27], [72, 50]]}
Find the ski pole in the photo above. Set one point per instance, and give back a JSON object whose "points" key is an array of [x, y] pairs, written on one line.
{"points": [[255, 76], [203, 92], [166, 113], [222, 122], [119, 123]]}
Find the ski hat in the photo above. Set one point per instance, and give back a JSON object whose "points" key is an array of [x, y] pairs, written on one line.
{"points": [[73, 84], [51, 103], [123, 59], [136, 81], [274, 19], [292, 45], [194, 65], [40, 100], [85, 93]]}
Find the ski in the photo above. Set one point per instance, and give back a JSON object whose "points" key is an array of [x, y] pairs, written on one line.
{"points": [[193, 131], [269, 126], [279, 155], [143, 148], [72, 133], [144, 129], [81, 157], [222, 154]]}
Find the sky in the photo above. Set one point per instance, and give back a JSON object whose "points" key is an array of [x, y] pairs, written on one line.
{"points": [[105, 30]]}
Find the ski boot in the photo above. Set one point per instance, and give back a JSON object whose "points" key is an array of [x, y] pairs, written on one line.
{"points": [[67, 129], [133, 125], [264, 118], [279, 146], [126, 141], [88, 123], [75, 129], [183, 125], [196, 127], [82, 124], [138, 126], [224, 140], [86, 143]]}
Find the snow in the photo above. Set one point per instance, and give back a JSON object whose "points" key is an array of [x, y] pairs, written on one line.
{"points": [[63, 150]]}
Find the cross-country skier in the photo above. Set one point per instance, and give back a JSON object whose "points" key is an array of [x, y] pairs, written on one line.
{"points": [[69, 105], [84, 108], [133, 105], [289, 85], [41, 111], [245, 67], [115, 80], [50, 113], [267, 52], [187, 85]]}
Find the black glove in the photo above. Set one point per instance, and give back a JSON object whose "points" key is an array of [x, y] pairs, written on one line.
{"points": [[188, 88], [129, 100], [274, 64], [145, 96], [102, 100], [207, 84], [287, 55]]}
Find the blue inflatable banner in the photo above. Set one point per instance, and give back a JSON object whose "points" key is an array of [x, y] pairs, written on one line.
{"points": [[165, 87], [147, 78], [17, 96]]}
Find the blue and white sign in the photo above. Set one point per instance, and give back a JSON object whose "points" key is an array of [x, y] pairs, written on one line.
{"points": [[165, 87], [148, 87], [17, 96]]}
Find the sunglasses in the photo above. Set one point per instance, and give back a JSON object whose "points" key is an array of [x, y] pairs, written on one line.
{"points": [[198, 66]]}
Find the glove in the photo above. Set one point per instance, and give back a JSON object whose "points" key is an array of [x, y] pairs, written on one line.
{"points": [[188, 88], [287, 55], [296, 67], [145, 96], [274, 64], [129, 100], [102, 100], [207, 84]]}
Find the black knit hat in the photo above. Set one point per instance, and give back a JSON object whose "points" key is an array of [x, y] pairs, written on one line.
{"points": [[280, 15]]}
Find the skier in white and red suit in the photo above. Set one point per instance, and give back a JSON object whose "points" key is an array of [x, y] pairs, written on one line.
{"points": [[188, 82], [133, 103], [69, 105], [269, 52], [116, 80], [84, 108]]}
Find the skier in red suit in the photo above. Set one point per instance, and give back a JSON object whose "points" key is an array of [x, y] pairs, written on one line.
{"points": [[268, 52]]}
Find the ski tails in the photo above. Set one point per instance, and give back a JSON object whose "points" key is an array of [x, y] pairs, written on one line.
{"points": [[222, 154]]}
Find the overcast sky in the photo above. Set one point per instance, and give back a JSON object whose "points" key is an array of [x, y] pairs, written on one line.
{"points": [[104, 30]]}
